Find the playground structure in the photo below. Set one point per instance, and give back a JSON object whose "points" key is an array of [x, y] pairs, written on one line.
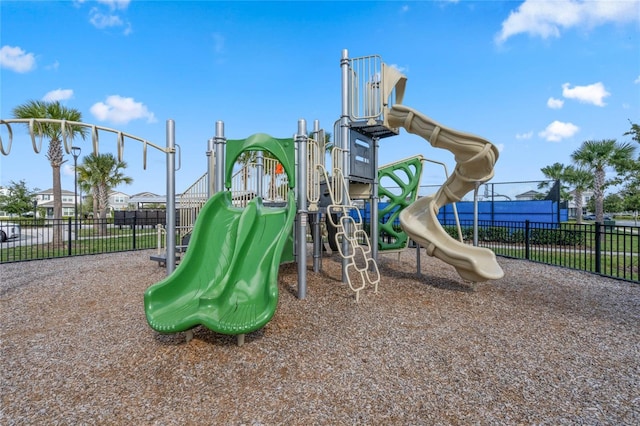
{"points": [[228, 278], [249, 220]]}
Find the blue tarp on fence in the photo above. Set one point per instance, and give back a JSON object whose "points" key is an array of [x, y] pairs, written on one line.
{"points": [[545, 211]]}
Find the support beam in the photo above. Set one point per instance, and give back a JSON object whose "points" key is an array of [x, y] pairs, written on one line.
{"points": [[171, 197], [219, 142], [301, 234]]}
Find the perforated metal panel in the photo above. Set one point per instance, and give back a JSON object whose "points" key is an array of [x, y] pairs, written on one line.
{"points": [[362, 156]]}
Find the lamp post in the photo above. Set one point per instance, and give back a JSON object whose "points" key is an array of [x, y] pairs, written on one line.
{"points": [[75, 151]]}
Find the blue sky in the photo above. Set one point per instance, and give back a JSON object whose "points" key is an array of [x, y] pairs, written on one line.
{"points": [[537, 78]]}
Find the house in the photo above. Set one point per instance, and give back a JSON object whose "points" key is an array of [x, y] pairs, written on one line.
{"points": [[586, 197], [45, 201], [143, 200], [530, 195], [4, 191], [118, 201]]}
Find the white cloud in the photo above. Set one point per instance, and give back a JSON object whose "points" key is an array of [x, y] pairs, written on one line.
{"points": [[527, 135], [67, 169], [58, 95], [404, 8], [591, 94], [558, 130], [116, 4], [500, 147], [547, 18], [54, 66], [637, 80], [16, 59], [121, 110], [554, 103], [102, 20], [399, 68]]}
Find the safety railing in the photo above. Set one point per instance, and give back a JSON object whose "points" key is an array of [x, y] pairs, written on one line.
{"points": [[191, 202], [267, 180], [365, 95]]}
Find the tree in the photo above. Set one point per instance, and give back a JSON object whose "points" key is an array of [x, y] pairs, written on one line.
{"points": [[599, 156], [634, 132], [613, 203], [53, 110], [19, 198], [98, 175], [580, 180], [555, 172], [631, 177]]}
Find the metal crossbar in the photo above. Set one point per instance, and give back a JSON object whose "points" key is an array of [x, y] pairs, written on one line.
{"points": [[36, 132]]}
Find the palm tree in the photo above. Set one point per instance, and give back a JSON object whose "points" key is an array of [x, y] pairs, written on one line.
{"points": [[581, 180], [554, 172], [98, 175], [53, 110], [598, 156]]}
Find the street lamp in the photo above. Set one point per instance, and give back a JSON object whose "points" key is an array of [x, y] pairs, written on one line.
{"points": [[75, 151]]}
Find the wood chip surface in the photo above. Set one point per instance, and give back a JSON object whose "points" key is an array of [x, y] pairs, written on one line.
{"points": [[543, 345]]}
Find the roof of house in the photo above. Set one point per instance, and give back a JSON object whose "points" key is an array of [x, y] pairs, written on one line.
{"points": [[530, 193], [50, 191]]}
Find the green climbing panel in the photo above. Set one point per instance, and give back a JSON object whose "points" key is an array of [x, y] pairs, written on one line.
{"points": [[405, 175]]}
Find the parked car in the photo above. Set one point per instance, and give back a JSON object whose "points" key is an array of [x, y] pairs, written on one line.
{"points": [[9, 230], [593, 217]]}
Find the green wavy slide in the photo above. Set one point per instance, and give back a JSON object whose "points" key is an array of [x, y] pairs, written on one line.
{"points": [[228, 279]]}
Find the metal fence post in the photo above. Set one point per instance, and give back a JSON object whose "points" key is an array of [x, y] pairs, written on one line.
{"points": [[69, 235], [134, 232], [527, 249]]}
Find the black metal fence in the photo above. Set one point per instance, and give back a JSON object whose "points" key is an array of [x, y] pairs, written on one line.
{"points": [[49, 238], [606, 249]]}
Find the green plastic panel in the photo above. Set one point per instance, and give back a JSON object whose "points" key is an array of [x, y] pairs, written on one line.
{"points": [[228, 279], [406, 175], [282, 149]]}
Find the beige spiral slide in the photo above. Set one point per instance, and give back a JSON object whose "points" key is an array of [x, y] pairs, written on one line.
{"points": [[475, 158]]}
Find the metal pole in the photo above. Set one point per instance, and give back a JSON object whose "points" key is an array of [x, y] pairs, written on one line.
{"points": [[75, 151], [475, 214], [210, 168], [260, 174], [171, 197], [301, 142], [220, 142], [373, 226], [317, 235], [344, 144]]}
